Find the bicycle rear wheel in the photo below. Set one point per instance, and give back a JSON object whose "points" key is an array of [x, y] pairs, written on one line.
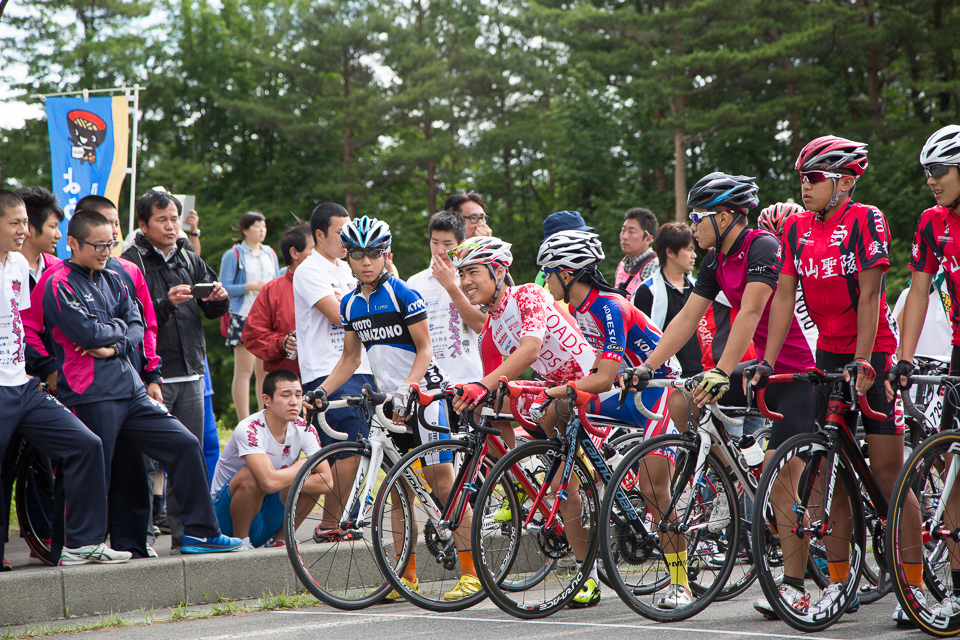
{"points": [[649, 477], [538, 555], [34, 496], [924, 475], [337, 565], [795, 474], [436, 548]]}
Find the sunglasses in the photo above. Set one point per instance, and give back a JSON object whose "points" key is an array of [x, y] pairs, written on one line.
{"points": [[816, 177], [937, 170], [696, 217], [100, 247], [358, 254]]}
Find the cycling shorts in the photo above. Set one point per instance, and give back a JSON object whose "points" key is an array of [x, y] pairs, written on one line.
{"points": [[417, 434], [876, 395]]}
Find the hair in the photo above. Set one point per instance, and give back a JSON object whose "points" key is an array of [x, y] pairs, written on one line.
{"points": [[9, 200], [154, 198], [672, 236], [277, 375], [294, 237], [454, 202], [247, 220], [645, 218], [449, 221], [320, 218], [83, 221], [95, 203], [41, 204]]}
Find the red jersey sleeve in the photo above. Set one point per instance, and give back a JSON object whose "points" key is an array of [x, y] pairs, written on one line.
{"points": [[532, 302], [924, 254], [873, 241], [788, 244]]}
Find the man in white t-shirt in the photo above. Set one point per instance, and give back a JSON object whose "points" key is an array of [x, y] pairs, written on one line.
{"points": [[261, 461], [39, 418], [454, 338], [319, 283]]}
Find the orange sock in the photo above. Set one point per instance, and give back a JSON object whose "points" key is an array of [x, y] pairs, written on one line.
{"points": [[410, 573], [839, 571], [466, 564], [914, 574]]}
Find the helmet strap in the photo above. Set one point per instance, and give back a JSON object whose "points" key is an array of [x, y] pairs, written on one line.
{"points": [[566, 285], [721, 236], [486, 308], [822, 214], [373, 286]]}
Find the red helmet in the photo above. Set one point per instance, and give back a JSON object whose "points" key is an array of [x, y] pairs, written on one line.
{"points": [[833, 154], [773, 217]]}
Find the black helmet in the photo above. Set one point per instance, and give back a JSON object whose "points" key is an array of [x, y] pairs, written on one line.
{"points": [[736, 193]]}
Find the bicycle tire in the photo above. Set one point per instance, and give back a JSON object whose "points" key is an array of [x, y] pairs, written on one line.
{"points": [[34, 495], [641, 573], [535, 548], [917, 472], [342, 574], [437, 545], [811, 450]]}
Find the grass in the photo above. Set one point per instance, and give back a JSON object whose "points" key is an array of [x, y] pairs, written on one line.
{"points": [[269, 601]]}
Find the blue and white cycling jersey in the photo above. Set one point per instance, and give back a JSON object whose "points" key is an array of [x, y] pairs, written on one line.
{"points": [[381, 322]]}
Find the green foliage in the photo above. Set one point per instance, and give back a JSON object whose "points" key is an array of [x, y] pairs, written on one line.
{"points": [[539, 105]]}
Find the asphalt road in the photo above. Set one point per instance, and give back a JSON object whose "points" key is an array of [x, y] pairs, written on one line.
{"points": [[609, 620]]}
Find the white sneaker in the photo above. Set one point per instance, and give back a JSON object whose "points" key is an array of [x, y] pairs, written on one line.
{"points": [[720, 516], [151, 552], [799, 600], [829, 597], [946, 609], [93, 554], [246, 546], [900, 616], [676, 597]]}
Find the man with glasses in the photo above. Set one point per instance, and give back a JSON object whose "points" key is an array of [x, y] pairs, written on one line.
{"points": [[172, 271], [472, 208], [96, 328], [636, 241]]}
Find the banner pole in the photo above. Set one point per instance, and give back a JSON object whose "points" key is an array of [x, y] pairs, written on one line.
{"points": [[133, 156]]}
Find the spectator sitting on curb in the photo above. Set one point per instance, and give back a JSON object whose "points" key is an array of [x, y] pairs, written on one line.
{"points": [[261, 461], [270, 332]]}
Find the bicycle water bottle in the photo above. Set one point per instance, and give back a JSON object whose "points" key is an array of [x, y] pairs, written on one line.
{"points": [[610, 455], [752, 454]]}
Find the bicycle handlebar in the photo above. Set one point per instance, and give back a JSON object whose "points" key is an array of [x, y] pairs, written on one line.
{"points": [[681, 383], [368, 397], [815, 376]]}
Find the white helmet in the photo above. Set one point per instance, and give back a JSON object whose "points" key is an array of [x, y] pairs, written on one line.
{"points": [[482, 250], [943, 147], [573, 250]]}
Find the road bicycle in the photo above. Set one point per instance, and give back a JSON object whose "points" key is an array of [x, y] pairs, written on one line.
{"points": [[818, 524]]}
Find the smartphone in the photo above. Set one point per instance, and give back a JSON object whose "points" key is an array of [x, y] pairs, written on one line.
{"points": [[202, 290]]}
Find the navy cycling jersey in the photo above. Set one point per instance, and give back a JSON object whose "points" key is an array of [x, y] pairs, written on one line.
{"points": [[382, 323], [619, 331]]}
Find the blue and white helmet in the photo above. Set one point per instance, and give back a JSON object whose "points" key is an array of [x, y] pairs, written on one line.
{"points": [[366, 233]]}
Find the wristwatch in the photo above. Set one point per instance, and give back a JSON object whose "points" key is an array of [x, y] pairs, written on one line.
{"points": [[195, 234]]}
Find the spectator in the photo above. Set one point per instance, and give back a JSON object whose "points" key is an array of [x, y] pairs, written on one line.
{"points": [[663, 294], [319, 283], [639, 261], [261, 461], [98, 325], [45, 215], [171, 271], [245, 269], [270, 332], [39, 418], [455, 324], [472, 208]]}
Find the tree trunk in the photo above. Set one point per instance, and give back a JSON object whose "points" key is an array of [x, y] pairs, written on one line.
{"points": [[680, 176], [349, 199], [431, 168]]}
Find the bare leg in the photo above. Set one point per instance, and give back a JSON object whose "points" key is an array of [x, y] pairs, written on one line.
{"points": [[243, 365]]}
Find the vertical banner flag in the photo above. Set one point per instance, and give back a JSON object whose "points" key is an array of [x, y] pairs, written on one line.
{"points": [[88, 148]]}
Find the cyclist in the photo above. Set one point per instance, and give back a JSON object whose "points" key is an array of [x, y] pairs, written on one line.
{"points": [[935, 246], [742, 264], [772, 218], [837, 252], [621, 335], [389, 319], [526, 324]]}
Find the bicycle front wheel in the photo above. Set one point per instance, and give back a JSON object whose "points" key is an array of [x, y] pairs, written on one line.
{"points": [[35, 502], [335, 563], [925, 475], [788, 512], [539, 553]]}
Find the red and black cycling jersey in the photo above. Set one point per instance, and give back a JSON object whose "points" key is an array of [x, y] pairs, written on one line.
{"points": [[937, 244], [827, 257]]}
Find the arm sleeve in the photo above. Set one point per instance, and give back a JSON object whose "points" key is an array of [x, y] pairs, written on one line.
{"points": [[785, 257], [706, 285], [873, 241], [259, 336], [762, 265], [68, 313], [248, 440], [309, 439], [344, 310], [615, 332], [151, 372], [532, 302], [228, 274], [643, 299], [415, 309], [923, 255]]}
